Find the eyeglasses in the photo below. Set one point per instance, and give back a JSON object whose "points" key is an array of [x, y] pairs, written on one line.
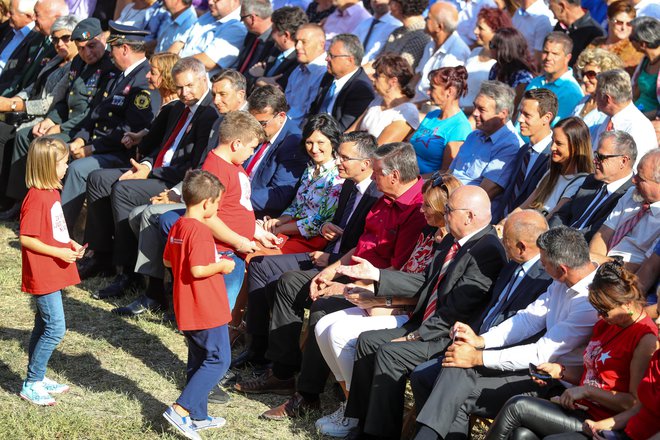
{"points": [[64, 39], [602, 313], [616, 22], [245, 17], [332, 56], [598, 157], [343, 158], [265, 123], [591, 74], [449, 209]]}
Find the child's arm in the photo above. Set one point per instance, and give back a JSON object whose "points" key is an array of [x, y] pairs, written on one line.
{"points": [[223, 266], [166, 263], [68, 255], [224, 234]]}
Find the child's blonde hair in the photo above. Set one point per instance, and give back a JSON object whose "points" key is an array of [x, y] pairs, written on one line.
{"points": [[41, 169]]}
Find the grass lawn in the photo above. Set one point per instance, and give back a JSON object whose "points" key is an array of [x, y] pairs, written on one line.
{"points": [[123, 372]]}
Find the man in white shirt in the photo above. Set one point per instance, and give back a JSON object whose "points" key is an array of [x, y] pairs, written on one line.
{"points": [[305, 80], [633, 227], [345, 18], [614, 98], [481, 372], [446, 48], [535, 21], [373, 33]]}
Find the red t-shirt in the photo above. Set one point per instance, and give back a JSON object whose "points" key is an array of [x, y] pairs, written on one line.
{"points": [[235, 208], [391, 229], [42, 218], [646, 422], [607, 359], [199, 303]]}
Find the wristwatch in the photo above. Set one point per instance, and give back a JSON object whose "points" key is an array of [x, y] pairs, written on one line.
{"points": [[13, 105], [388, 301], [412, 336]]}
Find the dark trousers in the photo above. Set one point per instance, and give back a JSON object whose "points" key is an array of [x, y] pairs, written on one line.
{"points": [[109, 202], [263, 275], [445, 404], [209, 356], [379, 378], [7, 133]]}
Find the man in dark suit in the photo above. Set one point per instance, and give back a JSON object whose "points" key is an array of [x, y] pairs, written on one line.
{"points": [[386, 240], [258, 43], [277, 66], [589, 207], [127, 105], [90, 74], [538, 109], [480, 373], [456, 286], [345, 91], [277, 165], [113, 193], [520, 283]]}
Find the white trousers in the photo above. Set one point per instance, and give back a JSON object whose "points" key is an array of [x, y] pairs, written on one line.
{"points": [[337, 335]]}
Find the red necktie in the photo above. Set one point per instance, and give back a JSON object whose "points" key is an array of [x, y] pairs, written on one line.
{"points": [[168, 144], [610, 125], [628, 226], [433, 300], [256, 157], [246, 62]]}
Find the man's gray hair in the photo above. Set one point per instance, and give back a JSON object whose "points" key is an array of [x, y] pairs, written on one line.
{"points": [[623, 143], [352, 45], [65, 23], [26, 6], [558, 37], [235, 78], [189, 64], [565, 246], [652, 155], [365, 144], [646, 30], [399, 156], [616, 84], [260, 8], [502, 94], [449, 24]]}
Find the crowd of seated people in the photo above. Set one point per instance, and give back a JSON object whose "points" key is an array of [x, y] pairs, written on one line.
{"points": [[455, 192]]}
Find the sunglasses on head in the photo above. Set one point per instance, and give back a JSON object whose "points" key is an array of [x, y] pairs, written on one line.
{"points": [[437, 179]]}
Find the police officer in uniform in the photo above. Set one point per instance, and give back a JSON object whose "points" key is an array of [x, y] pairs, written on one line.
{"points": [[126, 105], [91, 72]]}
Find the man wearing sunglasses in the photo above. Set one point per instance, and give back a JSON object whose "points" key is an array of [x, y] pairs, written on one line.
{"points": [[614, 98]]}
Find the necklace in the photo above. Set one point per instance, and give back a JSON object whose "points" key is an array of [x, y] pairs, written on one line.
{"points": [[596, 353]]}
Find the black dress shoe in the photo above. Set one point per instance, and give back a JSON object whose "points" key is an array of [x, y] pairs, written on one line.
{"points": [[138, 307], [119, 286], [218, 395], [11, 214], [89, 267], [248, 358], [229, 379]]}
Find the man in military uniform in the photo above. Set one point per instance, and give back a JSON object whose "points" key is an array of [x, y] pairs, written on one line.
{"points": [[126, 105], [91, 71]]}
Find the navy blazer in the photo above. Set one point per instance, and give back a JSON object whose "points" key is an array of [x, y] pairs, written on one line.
{"points": [[352, 100], [275, 181], [530, 183], [571, 212], [25, 62]]}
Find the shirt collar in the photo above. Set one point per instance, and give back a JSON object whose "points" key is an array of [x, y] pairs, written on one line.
{"points": [[566, 76], [467, 238], [527, 265], [287, 52], [233, 15], [655, 209], [25, 29], [193, 108], [500, 133], [132, 67], [184, 15], [319, 60], [410, 196], [582, 286], [362, 186], [276, 135], [339, 83], [448, 45], [540, 146], [612, 187], [628, 112]]}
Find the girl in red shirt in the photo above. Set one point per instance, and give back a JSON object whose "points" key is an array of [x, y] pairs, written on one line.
{"points": [[48, 256]]}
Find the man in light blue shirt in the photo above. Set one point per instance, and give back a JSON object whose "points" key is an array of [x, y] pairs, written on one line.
{"points": [[182, 18], [21, 20], [557, 76], [486, 153]]}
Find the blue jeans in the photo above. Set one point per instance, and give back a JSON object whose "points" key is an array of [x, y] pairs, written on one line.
{"points": [[49, 328], [233, 280], [209, 356]]}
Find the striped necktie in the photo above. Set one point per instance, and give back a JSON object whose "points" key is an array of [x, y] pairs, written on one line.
{"points": [[433, 300], [628, 226]]}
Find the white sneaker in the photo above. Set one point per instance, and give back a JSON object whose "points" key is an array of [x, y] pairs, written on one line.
{"points": [[339, 428], [53, 387], [36, 393], [331, 418]]}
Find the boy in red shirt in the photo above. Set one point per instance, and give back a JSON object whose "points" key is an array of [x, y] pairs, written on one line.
{"points": [[201, 306]]}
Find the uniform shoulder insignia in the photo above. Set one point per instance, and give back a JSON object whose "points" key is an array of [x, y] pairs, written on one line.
{"points": [[142, 100]]}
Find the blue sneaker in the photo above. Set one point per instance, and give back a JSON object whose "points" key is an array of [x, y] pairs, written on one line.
{"points": [[208, 423], [53, 387], [182, 424], [35, 392]]}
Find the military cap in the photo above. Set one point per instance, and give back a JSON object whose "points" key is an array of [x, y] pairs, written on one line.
{"points": [[87, 29], [121, 33]]}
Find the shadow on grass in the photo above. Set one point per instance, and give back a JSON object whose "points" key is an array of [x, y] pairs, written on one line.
{"points": [[14, 243], [85, 371]]}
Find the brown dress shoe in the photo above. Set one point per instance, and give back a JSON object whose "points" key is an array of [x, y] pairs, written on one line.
{"points": [[294, 407], [267, 383]]}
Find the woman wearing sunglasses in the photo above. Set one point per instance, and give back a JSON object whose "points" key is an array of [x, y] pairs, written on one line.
{"points": [[590, 63], [337, 333], [615, 361]]}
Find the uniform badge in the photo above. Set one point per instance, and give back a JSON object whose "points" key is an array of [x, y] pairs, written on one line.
{"points": [[127, 89], [142, 100], [118, 100]]}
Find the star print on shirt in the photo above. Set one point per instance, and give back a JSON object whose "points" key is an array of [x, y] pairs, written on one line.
{"points": [[604, 356]]}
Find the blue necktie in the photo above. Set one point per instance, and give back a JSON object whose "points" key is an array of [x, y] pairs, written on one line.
{"points": [[278, 61], [328, 97], [497, 310]]}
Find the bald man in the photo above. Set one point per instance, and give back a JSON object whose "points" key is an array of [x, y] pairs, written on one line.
{"points": [[520, 283], [456, 286]]}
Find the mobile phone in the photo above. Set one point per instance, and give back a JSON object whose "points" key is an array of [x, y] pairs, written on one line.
{"points": [[281, 240], [538, 374], [609, 435]]}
